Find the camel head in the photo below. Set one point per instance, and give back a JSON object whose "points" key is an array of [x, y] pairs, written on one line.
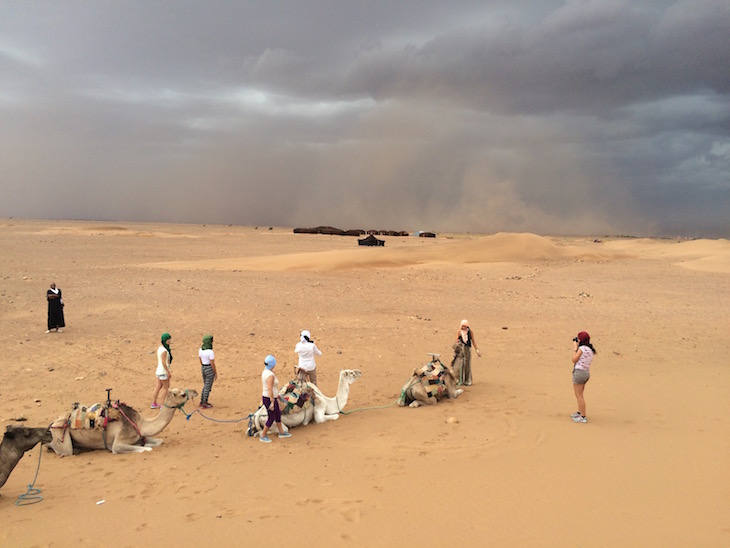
{"points": [[177, 397], [28, 437], [458, 349], [18, 440], [458, 353], [350, 375]]}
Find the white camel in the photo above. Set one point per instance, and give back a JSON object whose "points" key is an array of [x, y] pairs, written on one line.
{"points": [[16, 441], [323, 408], [119, 428]]}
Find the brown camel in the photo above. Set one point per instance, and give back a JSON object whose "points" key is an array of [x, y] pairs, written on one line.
{"points": [[430, 384], [16, 441], [125, 428]]}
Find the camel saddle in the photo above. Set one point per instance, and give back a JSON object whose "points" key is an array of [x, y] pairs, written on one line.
{"points": [[94, 416]]}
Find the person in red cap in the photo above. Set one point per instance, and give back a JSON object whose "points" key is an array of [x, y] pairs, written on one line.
{"points": [[583, 353]]}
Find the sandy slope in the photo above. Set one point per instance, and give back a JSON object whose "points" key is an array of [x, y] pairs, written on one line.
{"points": [[648, 469]]}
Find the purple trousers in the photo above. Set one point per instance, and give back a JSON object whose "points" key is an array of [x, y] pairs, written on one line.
{"points": [[275, 415]]}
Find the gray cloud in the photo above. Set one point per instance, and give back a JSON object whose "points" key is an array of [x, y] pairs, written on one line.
{"points": [[578, 117]]}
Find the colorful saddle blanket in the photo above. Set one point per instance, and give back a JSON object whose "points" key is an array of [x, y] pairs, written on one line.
{"points": [[432, 379], [94, 416], [295, 395]]}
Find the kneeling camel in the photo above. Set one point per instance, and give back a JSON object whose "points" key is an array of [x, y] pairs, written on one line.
{"points": [[321, 409], [116, 427], [429, 384]]}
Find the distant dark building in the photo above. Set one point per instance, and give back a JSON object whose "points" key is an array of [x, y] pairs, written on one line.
{"points": [[330, 230], [371, 240]]}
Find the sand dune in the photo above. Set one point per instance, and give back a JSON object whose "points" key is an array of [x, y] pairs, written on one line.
{"points": [[502, 465], [703, 255], [487, 249]]}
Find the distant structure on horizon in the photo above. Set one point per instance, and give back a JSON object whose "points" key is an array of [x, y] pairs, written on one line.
{"points": [[354, 232], [371, 240]]}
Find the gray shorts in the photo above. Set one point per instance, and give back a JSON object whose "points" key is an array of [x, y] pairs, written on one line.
{"points": [[580, 376]]}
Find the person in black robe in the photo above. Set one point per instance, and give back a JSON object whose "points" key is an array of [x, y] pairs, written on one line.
{"points": [[55, 309]]}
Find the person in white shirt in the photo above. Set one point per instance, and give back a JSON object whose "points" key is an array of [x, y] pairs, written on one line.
{"points": [[306, 349]]}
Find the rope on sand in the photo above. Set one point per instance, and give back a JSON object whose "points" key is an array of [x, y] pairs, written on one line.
{"points": [[32, 496], [247, 417], [187, 416], [250, 415], [366, 408]]}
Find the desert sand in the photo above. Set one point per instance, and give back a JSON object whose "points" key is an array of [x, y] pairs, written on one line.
{"points": [[502, 465]]}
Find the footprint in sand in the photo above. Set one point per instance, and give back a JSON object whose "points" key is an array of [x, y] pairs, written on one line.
{"points": [[181, 487]]}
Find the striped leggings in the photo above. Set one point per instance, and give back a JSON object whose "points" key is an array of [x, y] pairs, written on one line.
{"points": [[208, 377]]}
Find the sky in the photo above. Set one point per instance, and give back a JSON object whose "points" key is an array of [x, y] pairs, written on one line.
{"points": [[579, 117]]}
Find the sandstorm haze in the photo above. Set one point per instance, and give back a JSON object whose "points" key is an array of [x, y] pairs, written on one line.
{"points": [[578, 117]]}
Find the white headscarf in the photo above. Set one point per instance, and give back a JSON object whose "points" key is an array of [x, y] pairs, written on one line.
{"points": [[464, 334]]}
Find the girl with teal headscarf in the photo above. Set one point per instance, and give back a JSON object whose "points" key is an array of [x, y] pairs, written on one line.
{"points": [[163, 371], [166, 337]]}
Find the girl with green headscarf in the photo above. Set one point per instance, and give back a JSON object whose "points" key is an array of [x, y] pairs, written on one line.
{"points": [[208, 369], [163, 371]]}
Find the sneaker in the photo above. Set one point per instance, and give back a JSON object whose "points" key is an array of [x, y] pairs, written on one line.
{"points": [[265, 439], [60, 330], [285, 435], [206, 405], [48, 330], [574, 415], [580, 418], [154, 406]]}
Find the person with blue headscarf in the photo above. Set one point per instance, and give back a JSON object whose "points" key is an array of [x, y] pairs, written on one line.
{"points": [[270, 398]]}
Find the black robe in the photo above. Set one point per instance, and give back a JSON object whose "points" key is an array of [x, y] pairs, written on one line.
{"points": [[55, 310]]}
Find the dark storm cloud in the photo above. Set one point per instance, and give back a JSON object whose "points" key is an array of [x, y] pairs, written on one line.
{"points": [[553, 117]]}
